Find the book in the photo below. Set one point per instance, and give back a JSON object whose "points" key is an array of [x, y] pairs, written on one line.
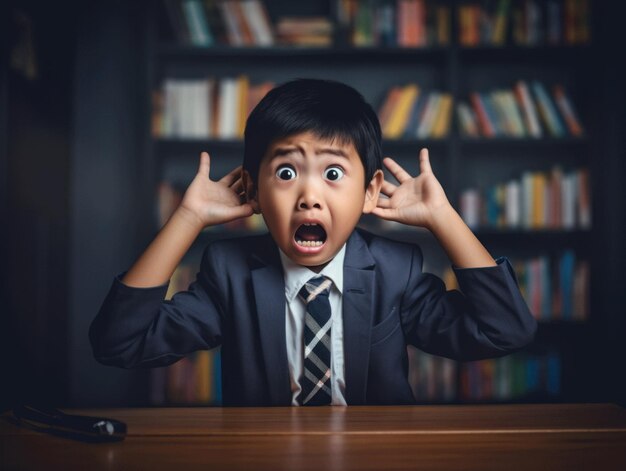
{"points": [[537, 200], [567, 111], [198, 27], [547, 110], [243, 87], [528, 109], [500, 23], [228, 127], [399, 115], [583, 202], [256, 17], [468, 122], [231, 21], [486, 125], [388, 105], [442, 120]]}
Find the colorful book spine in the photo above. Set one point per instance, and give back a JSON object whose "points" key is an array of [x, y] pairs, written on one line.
{"points": [[516, 376], [205, 108], [537, 200]]}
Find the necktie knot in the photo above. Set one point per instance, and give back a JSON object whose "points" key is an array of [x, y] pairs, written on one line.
{"points": [[316, 286]]}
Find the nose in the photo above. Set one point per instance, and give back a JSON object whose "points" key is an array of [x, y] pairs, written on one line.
{"points": [[310, 195]]}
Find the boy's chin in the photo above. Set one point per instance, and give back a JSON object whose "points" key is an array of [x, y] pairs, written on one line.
{"points": [[313, 261]]}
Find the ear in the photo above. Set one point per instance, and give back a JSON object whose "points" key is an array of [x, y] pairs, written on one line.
{"points": [[249, 189], [372, 191]]}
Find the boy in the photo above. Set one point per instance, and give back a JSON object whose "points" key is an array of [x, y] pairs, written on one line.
{"points": [[317, 311]]}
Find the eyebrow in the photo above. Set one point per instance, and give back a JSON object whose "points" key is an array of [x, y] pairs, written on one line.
{"points": [[280, 151]]}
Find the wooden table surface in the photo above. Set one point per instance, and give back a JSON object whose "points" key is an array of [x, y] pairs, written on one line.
{"points": [[442, 437]]}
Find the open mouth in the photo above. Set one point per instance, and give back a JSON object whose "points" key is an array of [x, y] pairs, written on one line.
{"points": [[310, 235]]}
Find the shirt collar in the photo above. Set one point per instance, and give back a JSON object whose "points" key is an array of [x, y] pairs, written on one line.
{"points": [[296, 276]]}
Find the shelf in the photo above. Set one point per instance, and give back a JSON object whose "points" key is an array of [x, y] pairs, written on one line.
{"points": [[182, 52], [166, 146], [417, 144], [536, 239], [495, 234], [560, 54], [562, 332], [469, 143], [485, 53]]}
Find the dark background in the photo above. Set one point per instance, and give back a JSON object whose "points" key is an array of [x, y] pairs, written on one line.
{"points": [[71, 198]]}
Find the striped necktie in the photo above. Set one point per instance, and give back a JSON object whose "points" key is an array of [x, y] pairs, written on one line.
{"points": [[315, 381]]}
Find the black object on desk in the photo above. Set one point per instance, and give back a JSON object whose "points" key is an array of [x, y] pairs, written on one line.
{"points": [[78, 427]]}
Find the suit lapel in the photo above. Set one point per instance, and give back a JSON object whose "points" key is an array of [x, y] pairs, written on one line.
{"points": [[358, 308], [269, 294]]}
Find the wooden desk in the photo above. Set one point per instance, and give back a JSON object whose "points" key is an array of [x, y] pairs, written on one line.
{"points": [[529, 437]]}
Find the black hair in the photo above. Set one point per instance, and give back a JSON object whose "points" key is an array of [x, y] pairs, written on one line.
{"points": [[329, 109]]}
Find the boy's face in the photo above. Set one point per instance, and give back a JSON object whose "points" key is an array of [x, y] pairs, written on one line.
{"points": [[311, 194]]}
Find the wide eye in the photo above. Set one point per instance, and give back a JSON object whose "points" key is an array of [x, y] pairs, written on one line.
{"points": [[286, 172], [333, 173]]}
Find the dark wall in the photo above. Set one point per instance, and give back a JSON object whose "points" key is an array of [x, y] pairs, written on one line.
{"points": [[106, 179], [36, 129], [610, 211]]}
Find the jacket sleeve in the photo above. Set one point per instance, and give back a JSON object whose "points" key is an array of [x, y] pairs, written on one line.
{"points": [[136, 327], [487, 318]]}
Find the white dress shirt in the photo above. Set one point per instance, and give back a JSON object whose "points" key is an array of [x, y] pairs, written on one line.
{"points": [[295, 276]]}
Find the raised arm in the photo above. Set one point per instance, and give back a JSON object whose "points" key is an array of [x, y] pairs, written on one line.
{"points": [[205, 203], [421, 201]]}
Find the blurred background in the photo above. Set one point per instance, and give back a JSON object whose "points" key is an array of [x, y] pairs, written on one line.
{"points": [[106, 105]]}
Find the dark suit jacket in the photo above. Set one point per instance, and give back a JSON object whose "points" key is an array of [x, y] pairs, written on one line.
{"points": [[238, 302]]}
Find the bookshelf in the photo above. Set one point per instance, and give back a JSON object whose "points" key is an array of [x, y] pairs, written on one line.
{"points": [[458, 62]]}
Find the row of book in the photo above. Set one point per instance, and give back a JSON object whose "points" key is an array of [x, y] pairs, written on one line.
{"points": [[538, 200], [555, 290], [432, 378], [195, 378], [409, 112], [400, 23], [516, 376], [435, 379], [247, 23], [305, 31], [205, 108], [526, 22], [526, 110], [218, 108], [392, 23], [212, 22]]}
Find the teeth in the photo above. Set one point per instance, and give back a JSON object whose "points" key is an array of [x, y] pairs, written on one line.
{"points": [[312, 224], [309, 243]]}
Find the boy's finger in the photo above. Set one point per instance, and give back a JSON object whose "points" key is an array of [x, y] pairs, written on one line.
{"points": [[388, 188], [396, 170], [383, 213], [232, 176], [425, 162], [383, 202], [205, 164], [237, 185]]}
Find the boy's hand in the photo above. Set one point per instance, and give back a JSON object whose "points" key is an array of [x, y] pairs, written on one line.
{"points": [[417, 201], [210, 202]]}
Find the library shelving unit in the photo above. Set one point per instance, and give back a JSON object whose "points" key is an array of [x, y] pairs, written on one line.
{"points": [[555, 367]]}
